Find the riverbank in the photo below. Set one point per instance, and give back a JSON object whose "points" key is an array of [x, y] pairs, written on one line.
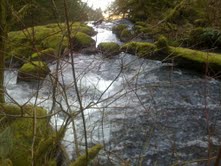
{"points": [[204, 62]]}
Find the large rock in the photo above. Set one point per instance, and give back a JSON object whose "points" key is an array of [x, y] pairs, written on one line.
{"points": [[32, 71], [126, 35], [89, 51], [47, 55], [81, 40], [118, 29], [16, 137], [83, 28], [19, 43], [109, 48], [141, 49]]}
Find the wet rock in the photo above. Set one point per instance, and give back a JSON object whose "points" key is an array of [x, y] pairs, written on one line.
{"points": [[33, 71], [118, 29], [81, 40], [47, 55], [126, 35], [89, 51], [109, 48]]}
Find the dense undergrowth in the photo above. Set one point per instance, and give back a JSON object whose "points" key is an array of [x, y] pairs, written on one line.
{"points": [[191, 29], [186, 23]]}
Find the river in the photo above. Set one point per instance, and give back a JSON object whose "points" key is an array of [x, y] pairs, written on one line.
{"points": [[143, 111]]}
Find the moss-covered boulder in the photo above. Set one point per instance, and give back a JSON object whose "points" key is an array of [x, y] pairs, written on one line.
{"points": [[118, 29], [142, 49], [81, 40], [32, 71], [58, 42], [19, 47], [80, 27], [126, 35], [47, 55], [16, 56], [17, 133], [109, 48]]}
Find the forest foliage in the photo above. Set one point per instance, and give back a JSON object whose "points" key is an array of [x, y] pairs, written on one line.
{"points": [[187, 23], [141, 10], [26, 13]]}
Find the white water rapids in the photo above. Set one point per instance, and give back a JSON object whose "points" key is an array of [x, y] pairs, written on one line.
{"points": [[145, 111]]}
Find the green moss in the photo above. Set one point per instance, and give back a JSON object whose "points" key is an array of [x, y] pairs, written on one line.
{"points": [[44, 55], [21, 136], [32, 66], [75, 27], [109, 48], [55, 42], [141, 49], [162, 42], [92, 153], [18, 47], [18, 53], [18, 37], [197, 56], [49, 144], [19, 44], [9, 109], [183, 57], [84, 29], [81, 40], [42, 32], [118, 29], [126, 35], [35, 70]]}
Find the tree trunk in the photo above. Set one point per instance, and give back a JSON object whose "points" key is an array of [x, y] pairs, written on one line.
{"points": [[2, 47]]}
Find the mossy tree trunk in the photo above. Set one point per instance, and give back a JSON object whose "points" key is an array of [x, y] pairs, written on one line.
{"points": [[2, 47]]}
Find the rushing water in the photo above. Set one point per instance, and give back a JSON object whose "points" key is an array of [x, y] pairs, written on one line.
{"points": [[143, 111]]}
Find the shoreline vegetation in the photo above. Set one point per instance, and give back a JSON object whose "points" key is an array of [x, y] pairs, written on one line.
{"points": [[52, 43], [191, 28]]}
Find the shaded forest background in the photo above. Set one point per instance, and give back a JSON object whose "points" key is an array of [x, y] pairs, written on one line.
{"points": [[27, 13]]}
